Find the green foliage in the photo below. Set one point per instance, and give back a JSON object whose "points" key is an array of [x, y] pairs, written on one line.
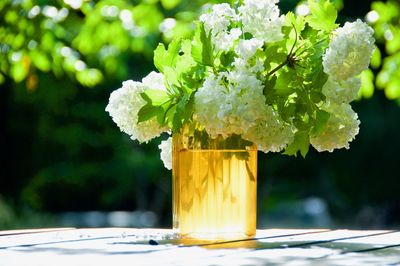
{"points": [[157, 103], [384, 17], [170, 4], [202, 47], [64, 142], [84, 43], [323, 15], [301, 143], [183, 65], [298, 78], [367, 88]]}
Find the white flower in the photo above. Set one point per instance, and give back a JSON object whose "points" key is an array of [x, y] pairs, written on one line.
{"points": [[229, 103], [261, 19], [341, 129], [349, 51], [166, 152], [342, 92], [225, 40], [125, 103], [219, 18], [270, 133], [154, 81], [217, 22], [247, 48]]}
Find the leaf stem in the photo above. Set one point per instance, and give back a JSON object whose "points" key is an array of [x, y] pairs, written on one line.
{"points": [[278, 67], [289, 56]]}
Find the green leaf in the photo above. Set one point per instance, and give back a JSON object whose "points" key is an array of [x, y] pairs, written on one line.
{"points": [[269, 91], [367, 84], [189, 109], [283, 83], [318, 78], [19, 70], [194, 77], [376, 59], [157, 104], [297, 21], [274, 56], [172, 77], [169, 116], [155, 97], [300, 143], [149, 111], [322, 118], [227, 58], [40, 60], [183, 112], [170, 4], [89, 77], [323, 15], [202, 47], [393, 43], [166, 58], [392, 91], [185, 61]]}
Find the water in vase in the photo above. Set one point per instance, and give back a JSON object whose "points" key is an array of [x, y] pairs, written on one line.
{"points": [[215, 193]]}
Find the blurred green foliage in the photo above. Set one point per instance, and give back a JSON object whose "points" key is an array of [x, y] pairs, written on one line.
{"points": [[384, 17], [61, 150], [85, 41], [59, 61]]}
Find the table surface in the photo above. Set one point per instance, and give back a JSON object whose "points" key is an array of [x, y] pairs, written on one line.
{"points": [[129, 246]]}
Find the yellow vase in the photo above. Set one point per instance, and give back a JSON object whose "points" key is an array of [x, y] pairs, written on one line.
{"points": [[214, 186]]}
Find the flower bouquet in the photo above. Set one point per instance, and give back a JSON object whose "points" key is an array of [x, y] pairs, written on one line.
{"points": [[249, 78]]}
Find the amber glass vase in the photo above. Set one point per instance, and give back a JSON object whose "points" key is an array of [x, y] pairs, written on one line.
{"points": [[214, 186]]}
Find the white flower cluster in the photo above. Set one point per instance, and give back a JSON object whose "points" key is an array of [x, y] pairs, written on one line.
{"points": [[125, 103], [270, 133], [166, 152], [229, 103], [343, 91], [217, 22], [247, 48], [261, 19], [347, 56], [349, 51], [342, 127], [233, 102]]}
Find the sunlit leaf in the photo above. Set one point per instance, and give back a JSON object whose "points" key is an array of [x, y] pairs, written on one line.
{"points": [[301, 143], [202, 47], [149, 111], [40, 60], [367, 87], [170, 4], [392, 91], [2, 78], [155, 97], [322, 118], [89, 77], [19, 70], [376, 59], [323, 15]]}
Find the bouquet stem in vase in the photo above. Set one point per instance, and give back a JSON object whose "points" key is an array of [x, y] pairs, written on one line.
{"points": [[214, 187]]}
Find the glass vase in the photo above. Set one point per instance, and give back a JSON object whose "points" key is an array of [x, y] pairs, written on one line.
{"points": [[214, 186]]}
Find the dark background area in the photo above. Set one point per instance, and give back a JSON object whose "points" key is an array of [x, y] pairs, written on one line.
{"points": [[61, 152]]}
